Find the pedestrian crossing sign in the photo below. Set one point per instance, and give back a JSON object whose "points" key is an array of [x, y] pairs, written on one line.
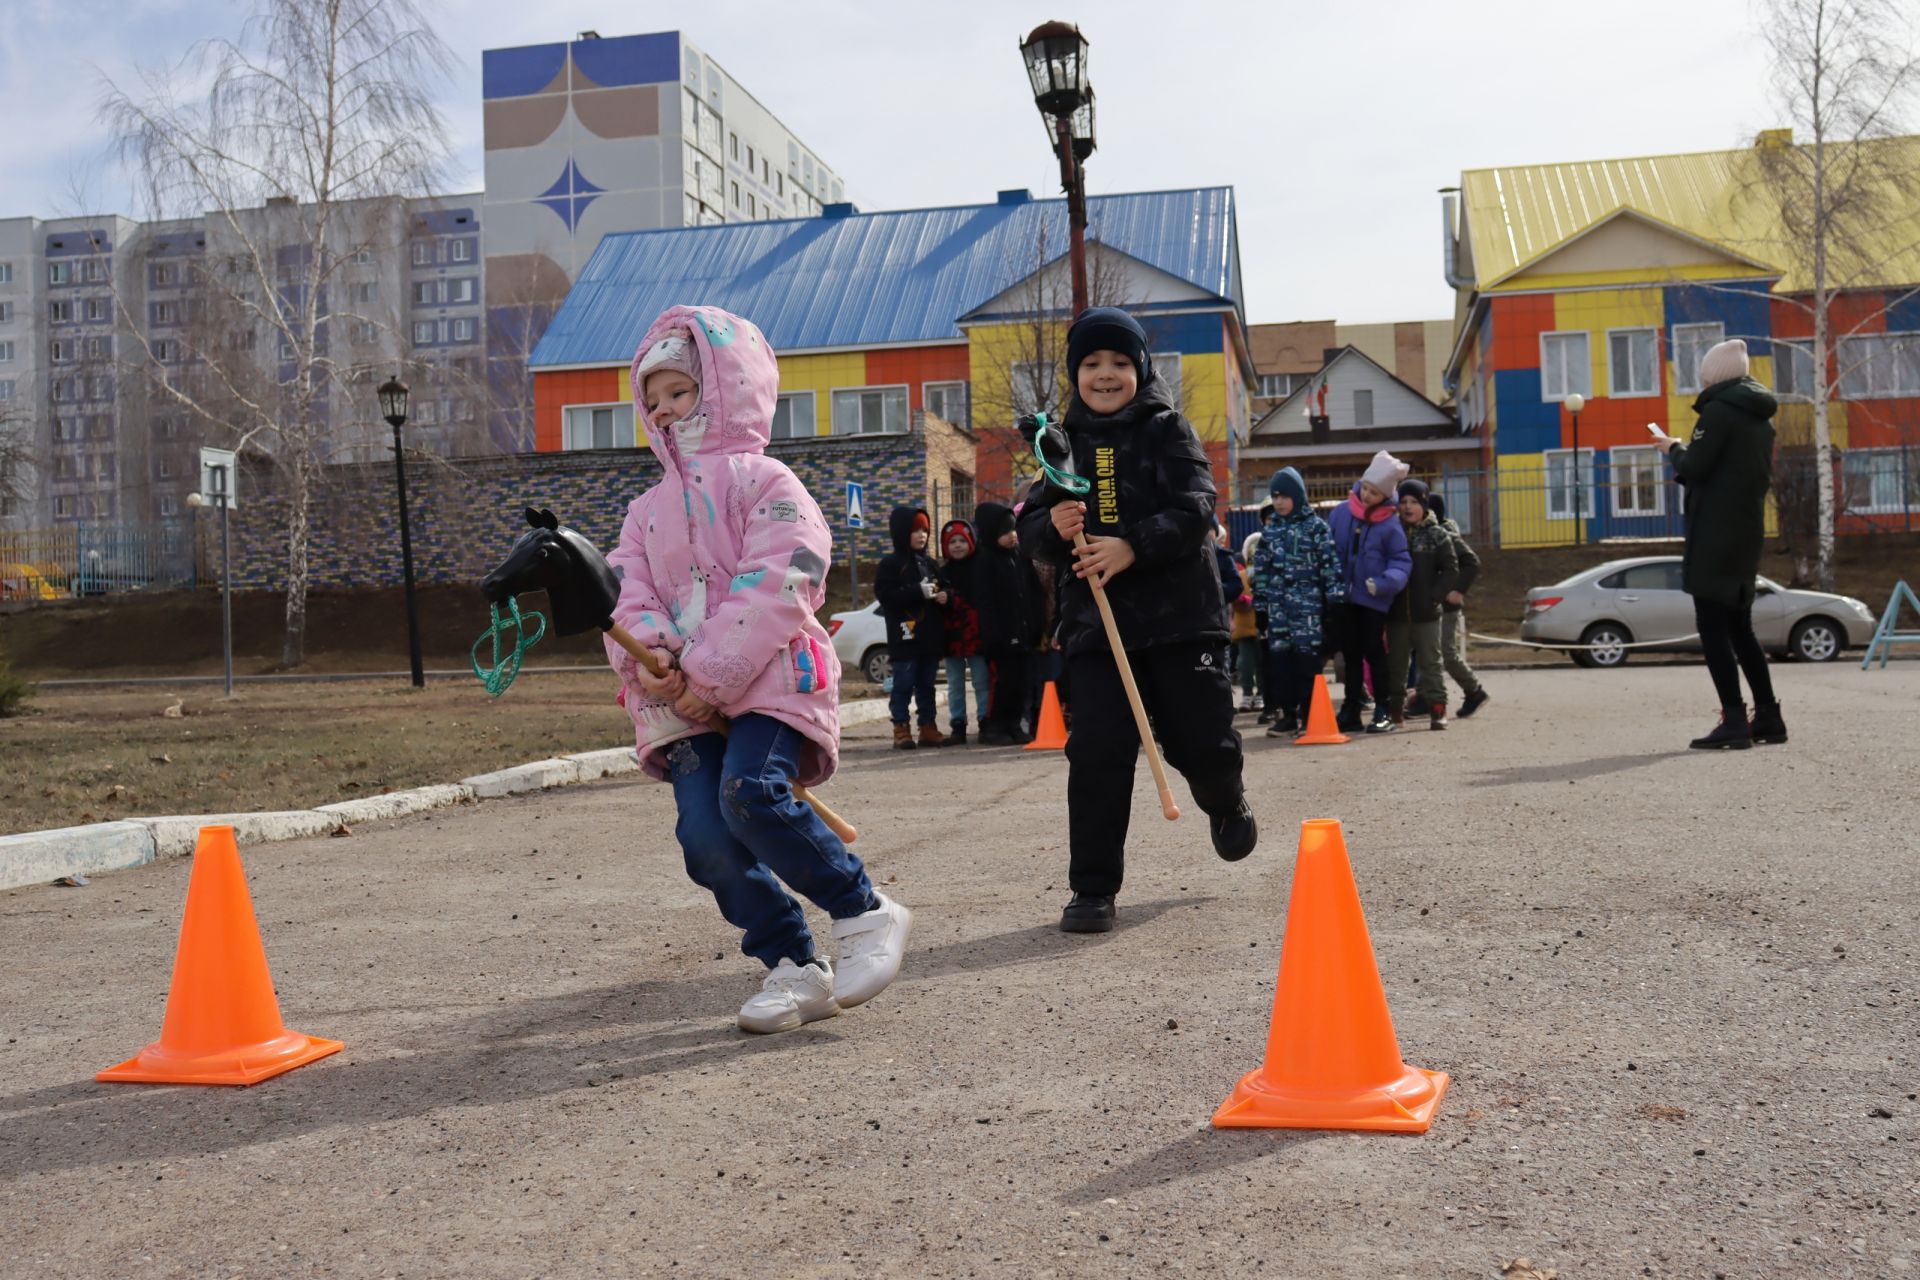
{"points": [[856, 505]]}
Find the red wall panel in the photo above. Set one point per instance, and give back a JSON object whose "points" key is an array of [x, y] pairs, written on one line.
{"points": [[554, 391], [915, 366]]}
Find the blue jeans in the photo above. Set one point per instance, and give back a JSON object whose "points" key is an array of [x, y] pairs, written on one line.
{"points": [[959, 669], [740, 826], [913, 678]]}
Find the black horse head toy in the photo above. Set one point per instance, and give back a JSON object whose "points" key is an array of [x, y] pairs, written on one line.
{"points": [[580, 584]]}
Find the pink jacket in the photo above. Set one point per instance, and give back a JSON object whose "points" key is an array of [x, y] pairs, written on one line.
{"points": [[724, 561]]}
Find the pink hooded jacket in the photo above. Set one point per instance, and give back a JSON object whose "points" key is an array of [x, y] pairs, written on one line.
{"points": [[723, 562]]}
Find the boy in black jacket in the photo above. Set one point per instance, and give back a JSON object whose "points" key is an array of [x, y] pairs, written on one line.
{"points": [[1147, 521], [907, 584], [1006, 593]]}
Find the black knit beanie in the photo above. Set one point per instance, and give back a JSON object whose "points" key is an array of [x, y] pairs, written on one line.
{"points": [[1107, 329], [1417, 490]]}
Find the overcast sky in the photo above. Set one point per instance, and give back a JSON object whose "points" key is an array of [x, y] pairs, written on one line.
{"points": [[1335, 123]]}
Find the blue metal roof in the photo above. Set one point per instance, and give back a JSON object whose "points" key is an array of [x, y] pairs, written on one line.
{"points": [[847, 279]]}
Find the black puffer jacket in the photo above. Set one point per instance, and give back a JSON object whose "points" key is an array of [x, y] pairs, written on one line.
{"points": [[1152, 485], [1007, 591], [1727, 468], [914, 621]]}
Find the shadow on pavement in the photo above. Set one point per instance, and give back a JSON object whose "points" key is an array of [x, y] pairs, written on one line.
{"points": [[1521, 775], [1201, 1152], [515, 1052]]}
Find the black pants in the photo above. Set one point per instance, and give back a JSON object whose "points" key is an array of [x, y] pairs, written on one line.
{"points": [[1190, 704], [1363, 646], [1726, 633], [1293, 672], [1012, 685]]}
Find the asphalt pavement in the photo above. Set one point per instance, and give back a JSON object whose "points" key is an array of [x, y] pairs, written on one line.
{"points": [[1676, 991]]}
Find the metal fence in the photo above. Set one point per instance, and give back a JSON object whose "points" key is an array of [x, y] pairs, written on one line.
{"points": [[38, 565]]}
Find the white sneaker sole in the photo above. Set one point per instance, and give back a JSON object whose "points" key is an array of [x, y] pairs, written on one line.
{"points": [[885, 976], [789, 1020]]}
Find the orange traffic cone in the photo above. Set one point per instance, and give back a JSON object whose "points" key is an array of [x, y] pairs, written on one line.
{"points": [[1321, 727], [1332, 1060], [1051, 733], [223, 1023]]}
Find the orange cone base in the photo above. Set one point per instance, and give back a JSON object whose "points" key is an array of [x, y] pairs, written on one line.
{"points": [[250, 1065], [1405, 1106], [1320, 739]]}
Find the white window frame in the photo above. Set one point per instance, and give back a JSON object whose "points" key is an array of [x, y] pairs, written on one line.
{"points": [[6, 311], [60, 272], [93, 270], [169, 505], [6, 273], [462, 329], [1167, 365], [1881, 501], [425, 292], [571, 425], [1879, 366], [363, 255], [423, 332], [97, 349], [1018, 381], [1799, 356], [461, 250], [165, 313], [61, 350], [1562, 509], [166, 350], [943, 389], [885, 391], [6, 351], [366, 291], [1548, 394], [1616, 390], [1368, 393], [1687, 340], [422, 253], [807, 421], [1631, 463], [465, 289], [165, 275], [60, 311], [95, 310], [6, 389]]}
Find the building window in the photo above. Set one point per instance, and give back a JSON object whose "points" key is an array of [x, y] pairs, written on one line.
{"points": [[1274, 386], [733, 145], [598, 426], [59, 312], [165, 312], [1879, 481], [1033, 387], [96, 310], [60, 350], [464, 289], [166, 468], [363, 333], [749, 159], [63, 508], [1633, 362], [6, 352], [96, 270], [423, 331], [425, 413], [1363, 407], [1167, 365], [165, 275], [463, 330], [6, 387], [6, 273], [736, 194], [1565, 367], [425, 293], [169, 505], [462, 250], [6, 312], [780, 185], [1793, 369], [99, 349], [1690, 343], [59, 273], [99, 388], [1879, 366], [865, 411], [366, 291], [948, 400], [362, 256], [793, 416], [1639, 482], [1561, 482], [165, 350], [422, 253]]}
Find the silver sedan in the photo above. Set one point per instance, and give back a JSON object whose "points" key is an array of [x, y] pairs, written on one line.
{"points": [[1627, 606]]}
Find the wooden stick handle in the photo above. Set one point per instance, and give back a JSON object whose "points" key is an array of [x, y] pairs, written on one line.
{"points": [[1167, 805], [644, 656]]}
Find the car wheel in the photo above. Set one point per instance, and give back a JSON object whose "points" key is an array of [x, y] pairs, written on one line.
{"points": [[1816, 640], [876, 666], [1606, 645]]}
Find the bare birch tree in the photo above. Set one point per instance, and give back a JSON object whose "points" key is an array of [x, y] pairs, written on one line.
{"points": [[1844, 72], [321, 112]]}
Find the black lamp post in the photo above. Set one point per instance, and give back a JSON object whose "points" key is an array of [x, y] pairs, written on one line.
{"points": [[1056, 58], [393, 406]]}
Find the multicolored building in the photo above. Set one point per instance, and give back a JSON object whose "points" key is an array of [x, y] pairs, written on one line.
{"points": [[884, 320], [1609, 280]]}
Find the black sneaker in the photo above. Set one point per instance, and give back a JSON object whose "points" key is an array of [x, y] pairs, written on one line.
{"points": [[1088, 913], [1284, 727], [1235, 834], [1473, 702], [1767, 727], [995, 737], [956, 736], [1348, 721], [1265, 717], [1731, 734], [1383, 723]]}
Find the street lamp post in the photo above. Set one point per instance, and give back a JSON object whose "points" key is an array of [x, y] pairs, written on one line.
{"points": [[222, 494], [1575, 403], [393, 405], [1056, 57]]}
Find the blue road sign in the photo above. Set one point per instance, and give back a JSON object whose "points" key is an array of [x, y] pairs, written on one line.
{"points": [[856, 505]]}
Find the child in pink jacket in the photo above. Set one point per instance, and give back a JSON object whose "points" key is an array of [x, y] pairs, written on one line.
{"points": [[721, 567]]}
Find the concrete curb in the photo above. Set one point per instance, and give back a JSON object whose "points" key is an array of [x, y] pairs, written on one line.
{"points": [[40, 857]]}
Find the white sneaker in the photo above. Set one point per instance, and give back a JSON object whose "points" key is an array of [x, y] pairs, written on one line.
{"points": [[792, 995], [870, 949]]}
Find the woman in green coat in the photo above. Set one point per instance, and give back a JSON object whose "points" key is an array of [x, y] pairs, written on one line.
{"points": [[1727, 469]]}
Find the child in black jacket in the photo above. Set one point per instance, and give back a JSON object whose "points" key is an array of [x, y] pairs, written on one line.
{"points": [[1147, 521], [907, 584], [1012, 611]]}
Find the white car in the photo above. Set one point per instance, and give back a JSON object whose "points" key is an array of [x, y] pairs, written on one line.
{"points": [[860, 639]]}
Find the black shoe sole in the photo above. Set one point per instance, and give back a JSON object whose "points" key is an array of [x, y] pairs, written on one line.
{"points": [[1780, 741], [1084, 924], [1740, 744]]}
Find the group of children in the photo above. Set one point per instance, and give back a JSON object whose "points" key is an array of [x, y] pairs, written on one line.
{"points": [[1381, 585]]}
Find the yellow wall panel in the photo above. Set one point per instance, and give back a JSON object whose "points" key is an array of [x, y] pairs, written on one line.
{"points": [[1598, 310], [626, 383], [1523, 504]]}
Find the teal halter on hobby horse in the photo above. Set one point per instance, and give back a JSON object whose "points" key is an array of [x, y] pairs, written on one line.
{"points": [[497, 677], [1051, 437]]}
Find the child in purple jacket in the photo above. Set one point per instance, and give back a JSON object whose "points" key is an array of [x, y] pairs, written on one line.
{"points": [[1375, 563]]}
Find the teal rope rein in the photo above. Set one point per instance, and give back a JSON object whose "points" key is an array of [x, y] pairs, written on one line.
{"points": [[500, 675]]}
